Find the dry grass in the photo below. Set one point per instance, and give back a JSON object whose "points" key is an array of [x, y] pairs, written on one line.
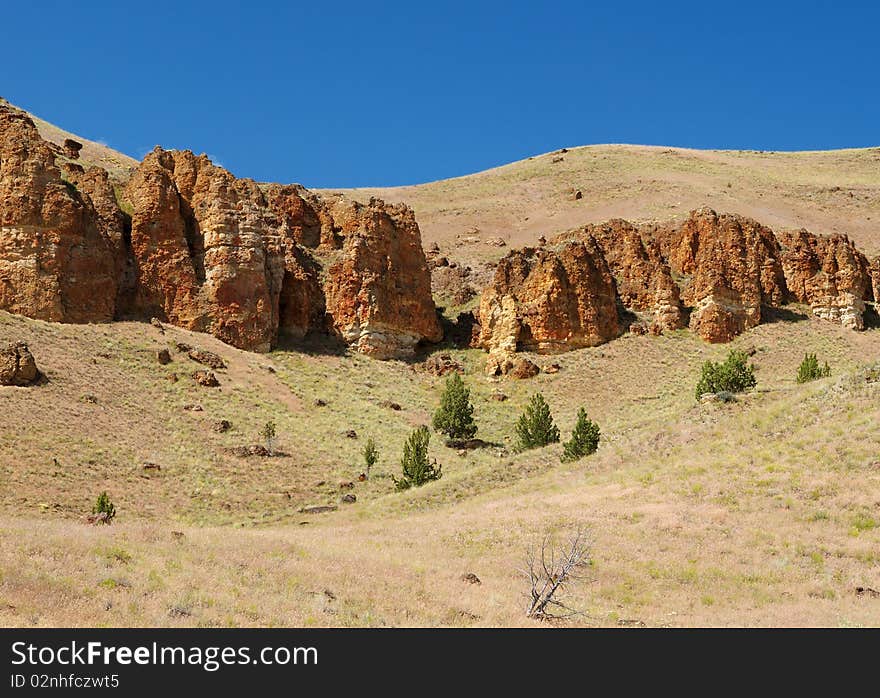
{"points": [[763, 512], [825, 192]]}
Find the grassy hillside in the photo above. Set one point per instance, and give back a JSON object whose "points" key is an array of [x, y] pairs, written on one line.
{"points": [[825, 192], [762, 512], [765, 511]]}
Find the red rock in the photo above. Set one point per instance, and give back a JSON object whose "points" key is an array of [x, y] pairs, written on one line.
{"points": [[548, 299], [379, 292], [55, 261], [734, 268], [644, 280], [830, 274]]}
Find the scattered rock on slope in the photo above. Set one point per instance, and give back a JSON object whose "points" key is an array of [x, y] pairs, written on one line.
{"points": [[17, 365]]}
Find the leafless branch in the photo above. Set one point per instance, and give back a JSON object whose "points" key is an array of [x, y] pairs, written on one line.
{"points": [[549, 571]]}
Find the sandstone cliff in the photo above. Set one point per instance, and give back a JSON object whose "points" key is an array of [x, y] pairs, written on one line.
{"points": [[644, 280], [732, 269], [548, 299], [829, 274], [378, 292], [726, 269], [205, 250], [55, 261]]}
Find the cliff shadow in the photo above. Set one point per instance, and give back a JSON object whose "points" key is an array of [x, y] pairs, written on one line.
{"points": [[786, 313], [314, 343]]}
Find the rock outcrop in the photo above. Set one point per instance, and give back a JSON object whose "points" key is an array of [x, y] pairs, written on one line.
{"points": [[830, 274], [875, 279], [725, 269], [379, 291], [644, 281], [17, 365], [204, 250], [732, 268], [548, 299], [198, 242], [55, 261]]}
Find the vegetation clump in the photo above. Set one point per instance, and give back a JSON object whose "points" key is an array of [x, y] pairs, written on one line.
{"points": [[268, 435], [455, 416], [104, 512], [535, 427], [371, 456], [733, 375], [584, 438], [415, 466], [810, 370]]}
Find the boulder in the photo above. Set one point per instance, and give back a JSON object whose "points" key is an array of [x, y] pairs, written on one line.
{"points": [[17, 365]]}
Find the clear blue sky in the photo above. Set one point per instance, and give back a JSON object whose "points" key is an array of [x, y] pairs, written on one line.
{"points": [[346, 94]]}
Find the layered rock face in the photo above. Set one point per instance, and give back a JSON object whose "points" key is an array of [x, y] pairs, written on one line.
{"points": [[830, 274], [206, 251], [217, 254], [197, 238], [548, 299], [644, 280], [875, 279], [726, 269], [56, 262], [376, 291], [733, 266]]}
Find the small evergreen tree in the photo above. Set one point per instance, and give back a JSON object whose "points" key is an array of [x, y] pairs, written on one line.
{"points": [[371, 455], [268, 435], [104, 506], [733, 375], [416, 468], [455, 416], [584, 438], [535, 427], [809, 370]]}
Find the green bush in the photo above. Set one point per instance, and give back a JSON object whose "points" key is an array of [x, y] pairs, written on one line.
{"points": [[455, 416], [734, 375], [584, 438], [371, 455], [535, 427], [104, 506], [268, 435], [809, 370], [417, 470]]}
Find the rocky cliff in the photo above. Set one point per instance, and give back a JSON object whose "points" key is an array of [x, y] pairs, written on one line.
{"points": [[732, 269], [548, 299], [725, 270], [56, 260], [644, 280], [829, 274], [205, 250]]}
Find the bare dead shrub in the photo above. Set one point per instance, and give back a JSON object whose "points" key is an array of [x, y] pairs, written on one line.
{"points": [[550, 569]]}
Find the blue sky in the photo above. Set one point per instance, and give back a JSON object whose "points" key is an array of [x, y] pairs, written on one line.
{"points": [[349, 94]]}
